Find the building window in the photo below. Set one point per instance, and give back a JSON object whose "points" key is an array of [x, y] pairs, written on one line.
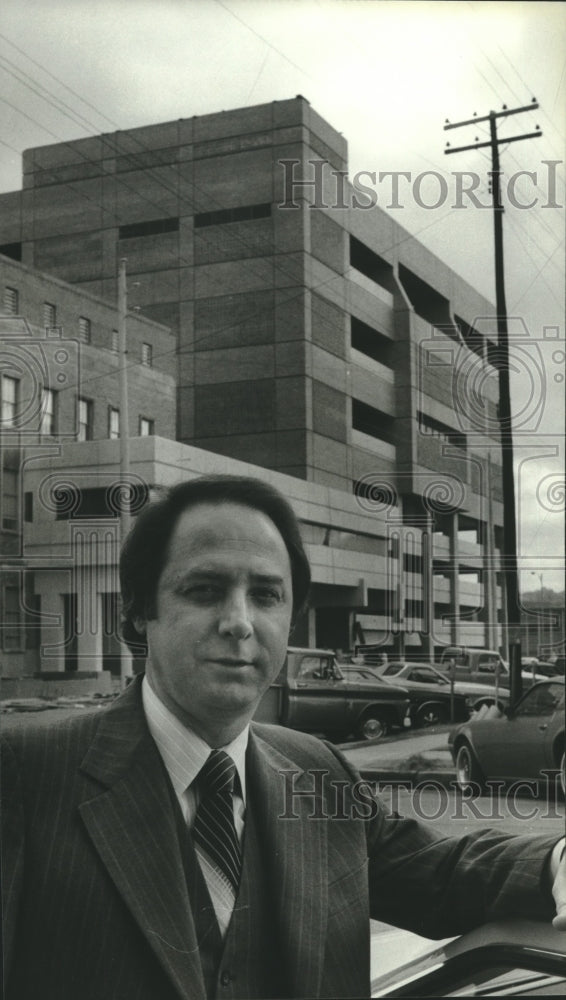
{"points": [[146, 427], [113, 423], [13, 632], [115, 342], [48, 420], [49, 315], [153, 227], [84, 330], [10, 393], [147, 355], [434, 428], [369, 420], [370, 342], [9, 499], [98, 502], [222, 216], [84, 419], [28, 506], [11, 301], [13, 250]]}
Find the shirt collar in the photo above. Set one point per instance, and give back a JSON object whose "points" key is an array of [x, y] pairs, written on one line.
{"points": [[183, 752]]}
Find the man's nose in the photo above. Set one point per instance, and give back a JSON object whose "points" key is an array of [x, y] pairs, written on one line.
{"points": [[235, 616]]}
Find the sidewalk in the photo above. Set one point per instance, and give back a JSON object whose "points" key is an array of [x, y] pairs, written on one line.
{"points": [[407, 758]]}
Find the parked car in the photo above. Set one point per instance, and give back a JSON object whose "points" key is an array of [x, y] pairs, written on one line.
{"points": [[548, 668], [484, 665], [527, 740], [312, 694], [507, 958], [430, 699], [429, 689]]}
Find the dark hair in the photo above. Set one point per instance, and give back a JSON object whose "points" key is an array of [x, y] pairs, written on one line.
{"points": [[145, 550]]}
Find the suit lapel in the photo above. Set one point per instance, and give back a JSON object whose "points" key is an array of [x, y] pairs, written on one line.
{"points": [[132, 826], [296, 848]]}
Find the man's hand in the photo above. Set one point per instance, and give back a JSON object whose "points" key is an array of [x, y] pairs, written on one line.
{"points": [[558, 873]]}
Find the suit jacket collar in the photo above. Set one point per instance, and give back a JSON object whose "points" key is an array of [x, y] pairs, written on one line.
{"points": [[296, 843], [132, 826], [131, 823]]}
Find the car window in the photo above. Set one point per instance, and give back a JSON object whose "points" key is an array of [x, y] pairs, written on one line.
{"points": [[487, 664], [543, 699], [355, 675], [425, 676], [316, 668], [392, 669], [362, 675]]}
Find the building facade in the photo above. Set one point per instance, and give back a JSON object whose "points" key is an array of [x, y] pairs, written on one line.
{"points": [[59, 386], [316, 339]]}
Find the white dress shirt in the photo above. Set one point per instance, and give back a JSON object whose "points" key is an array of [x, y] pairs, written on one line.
{"points": [[184, 754]]}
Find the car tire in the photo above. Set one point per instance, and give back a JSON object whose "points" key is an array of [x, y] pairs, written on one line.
{"points": [[431, 715], [563, 775], [469, 777], [373, 725]]}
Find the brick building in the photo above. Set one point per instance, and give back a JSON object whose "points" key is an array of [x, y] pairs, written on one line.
{"points": [[316, 339], [59, 386]]}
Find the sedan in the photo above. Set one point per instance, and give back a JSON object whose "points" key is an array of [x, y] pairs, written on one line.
{"points": [[429, 690], [525, 742]]}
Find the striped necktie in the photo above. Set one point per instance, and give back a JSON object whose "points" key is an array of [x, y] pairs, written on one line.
{"points": [[213, 830]]}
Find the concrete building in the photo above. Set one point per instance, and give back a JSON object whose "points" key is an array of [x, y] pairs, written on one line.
{"points": [[316, 339], [60, 385]]}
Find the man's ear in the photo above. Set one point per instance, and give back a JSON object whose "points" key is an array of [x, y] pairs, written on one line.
{"points": [[140, 625]]}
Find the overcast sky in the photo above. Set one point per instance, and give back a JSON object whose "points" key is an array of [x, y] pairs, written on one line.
{"points": [[386, 75]]}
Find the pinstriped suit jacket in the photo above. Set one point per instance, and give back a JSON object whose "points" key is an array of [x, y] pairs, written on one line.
{"points": [[95, 900]]}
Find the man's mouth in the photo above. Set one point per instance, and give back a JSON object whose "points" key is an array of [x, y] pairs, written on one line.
{"points": [[226, 661]]}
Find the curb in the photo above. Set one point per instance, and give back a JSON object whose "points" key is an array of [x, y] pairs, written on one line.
{"points": [[380, 742], [447, 779]]}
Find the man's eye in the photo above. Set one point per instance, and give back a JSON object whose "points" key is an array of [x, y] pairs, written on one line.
{"points": [[202, 593], [267, 596]]}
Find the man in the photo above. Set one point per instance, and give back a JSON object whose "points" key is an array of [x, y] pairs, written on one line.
{"points": [[131, 872]]}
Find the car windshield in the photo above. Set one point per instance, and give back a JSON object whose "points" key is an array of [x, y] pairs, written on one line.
{"points": [[542, 699], [492, 970]]}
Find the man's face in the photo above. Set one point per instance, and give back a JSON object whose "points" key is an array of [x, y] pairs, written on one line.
{"points": [[222, 617]]}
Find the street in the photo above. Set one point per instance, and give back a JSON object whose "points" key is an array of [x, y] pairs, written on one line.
{"points": [[453, 815]]}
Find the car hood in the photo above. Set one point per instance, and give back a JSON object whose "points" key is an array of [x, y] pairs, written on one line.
{"points": [[470, 687]]}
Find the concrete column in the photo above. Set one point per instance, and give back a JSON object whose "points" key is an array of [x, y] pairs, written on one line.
{"points": [[427, 591], [52, 624], [311, 627], [455, 583], [89, 620]]}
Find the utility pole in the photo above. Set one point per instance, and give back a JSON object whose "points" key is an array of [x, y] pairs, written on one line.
{"points": [[123, 493], [540, 614], [505, 412]]}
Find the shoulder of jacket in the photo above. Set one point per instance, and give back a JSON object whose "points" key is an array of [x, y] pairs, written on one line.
{"points": [[302, 748], [62, 736]]}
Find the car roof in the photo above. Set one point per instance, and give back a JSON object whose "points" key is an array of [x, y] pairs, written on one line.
{"points": [[410, 663], [314, 652]]}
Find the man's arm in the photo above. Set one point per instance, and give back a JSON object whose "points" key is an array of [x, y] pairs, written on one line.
{"points": [[439, 886]]}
